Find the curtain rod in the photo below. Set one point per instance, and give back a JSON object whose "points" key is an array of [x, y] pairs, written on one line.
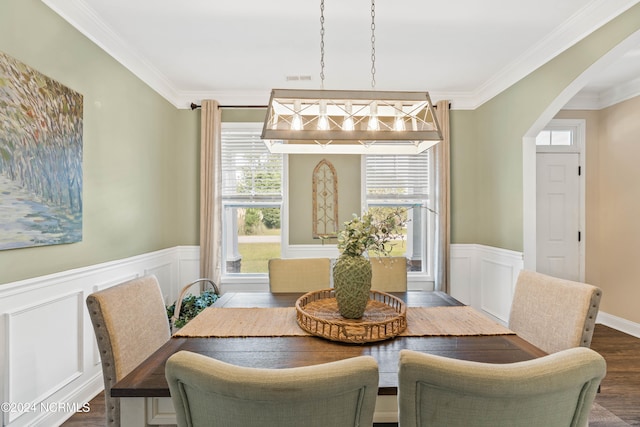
{"points": [[195, 106]]}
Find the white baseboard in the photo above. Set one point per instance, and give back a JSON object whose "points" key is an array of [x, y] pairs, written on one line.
{"points": [[619, 323], [78, 399]]}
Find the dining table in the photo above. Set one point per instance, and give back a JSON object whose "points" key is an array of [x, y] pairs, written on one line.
{"points": [[144, 392]]}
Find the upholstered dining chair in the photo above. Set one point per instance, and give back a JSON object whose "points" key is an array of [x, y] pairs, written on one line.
{"points": [[207, 391], [299, 274], [389, 274], [554, 314], [130, 323], [556, 390]]}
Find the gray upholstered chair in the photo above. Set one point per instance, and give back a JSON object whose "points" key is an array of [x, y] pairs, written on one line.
{"points": [[299, 274], [554, 314], [208, 392], [130, 323], [389, 274], [554, 390]]}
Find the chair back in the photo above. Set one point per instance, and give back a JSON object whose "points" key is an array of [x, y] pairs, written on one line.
{"points": [[389, 274], [130, 323], [207, 391], [554, 390], [554, 314], [299, 274]]}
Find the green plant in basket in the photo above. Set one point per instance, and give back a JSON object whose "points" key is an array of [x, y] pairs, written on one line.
{"points": [[191, 306]]}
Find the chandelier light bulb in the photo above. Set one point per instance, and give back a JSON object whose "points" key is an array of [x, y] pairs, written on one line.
{"points": [[398, 124], [348, 124], [296, 122], [373, 117], [323, 120]]}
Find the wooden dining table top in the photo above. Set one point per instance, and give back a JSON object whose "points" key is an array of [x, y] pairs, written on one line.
{"points": [[148, 379]]}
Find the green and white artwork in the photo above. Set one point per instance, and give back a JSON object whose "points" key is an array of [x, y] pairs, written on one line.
{"points": [[40, 158]]}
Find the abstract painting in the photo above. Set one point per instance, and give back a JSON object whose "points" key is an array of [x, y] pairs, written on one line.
{"points": [[40, 158]]}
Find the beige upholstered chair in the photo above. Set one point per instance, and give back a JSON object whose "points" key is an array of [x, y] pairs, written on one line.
{"points": [[389, 274], [553, 314], [555, 390], [130, 323], [206, 391], [299, 274]]}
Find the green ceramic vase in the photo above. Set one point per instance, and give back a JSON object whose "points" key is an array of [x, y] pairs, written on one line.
{"points": [[352, 282]]}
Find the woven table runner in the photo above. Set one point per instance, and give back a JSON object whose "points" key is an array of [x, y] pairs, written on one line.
{"points": [[281, 322]]}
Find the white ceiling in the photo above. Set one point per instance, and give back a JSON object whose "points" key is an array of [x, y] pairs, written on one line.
{"points": [[237, 51]]}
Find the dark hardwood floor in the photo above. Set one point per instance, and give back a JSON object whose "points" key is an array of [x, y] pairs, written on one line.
{"points": [[620, 389]]}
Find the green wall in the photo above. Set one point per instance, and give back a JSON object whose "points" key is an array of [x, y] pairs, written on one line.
{"points": [[500, 125], [348, 171], [464, 201], [140, 152]]}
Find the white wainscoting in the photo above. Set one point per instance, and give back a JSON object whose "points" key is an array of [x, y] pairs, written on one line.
{"points": [[48, 354], [49, 360], [484, 278]]}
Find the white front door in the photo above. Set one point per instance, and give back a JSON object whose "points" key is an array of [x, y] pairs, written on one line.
{"points": [[558, 215]]}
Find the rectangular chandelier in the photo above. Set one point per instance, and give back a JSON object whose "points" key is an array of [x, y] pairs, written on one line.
{"points": [[350, 122]]}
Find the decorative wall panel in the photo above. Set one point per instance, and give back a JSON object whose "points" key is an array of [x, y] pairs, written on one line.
{"points": [[52, 356], [325, 200]]}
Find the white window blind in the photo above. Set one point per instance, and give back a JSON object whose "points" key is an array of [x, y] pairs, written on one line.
{"points": [[397, 177], [249, 171]]}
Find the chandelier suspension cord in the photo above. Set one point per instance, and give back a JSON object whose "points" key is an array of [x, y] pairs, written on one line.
{"points": [[373, 43], [321, 44]]}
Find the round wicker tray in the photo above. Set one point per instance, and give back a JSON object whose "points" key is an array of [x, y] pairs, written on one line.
{"points": [[384, 318]]}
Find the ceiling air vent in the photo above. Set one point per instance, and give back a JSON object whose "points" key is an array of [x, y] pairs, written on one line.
{"points": [[298, 78]]}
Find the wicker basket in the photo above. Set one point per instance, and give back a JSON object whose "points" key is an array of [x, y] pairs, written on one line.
{"points": [[176, 312], [385, 317]]}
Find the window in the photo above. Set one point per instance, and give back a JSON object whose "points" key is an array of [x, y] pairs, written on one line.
{"points": [[251, 200], [555, 137], [405, 181], [561, 135]]}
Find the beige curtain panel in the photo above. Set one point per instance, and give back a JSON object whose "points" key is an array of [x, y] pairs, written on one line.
{"points": [[210, 192], [442, 201]]}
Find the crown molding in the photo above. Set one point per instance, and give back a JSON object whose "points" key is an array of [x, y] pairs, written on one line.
{"points": [[84, 19], [605, 99], [620, 93], [584, 101], [595, 14]]}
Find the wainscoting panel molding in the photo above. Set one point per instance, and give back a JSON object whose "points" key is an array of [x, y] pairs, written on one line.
{"points": [[484, 278], [164, 272], [462, 273], [48, 355], [499, 270], [51, 359]]}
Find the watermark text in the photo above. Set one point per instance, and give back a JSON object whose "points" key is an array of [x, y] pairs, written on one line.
{"points": [[23, 407]]}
